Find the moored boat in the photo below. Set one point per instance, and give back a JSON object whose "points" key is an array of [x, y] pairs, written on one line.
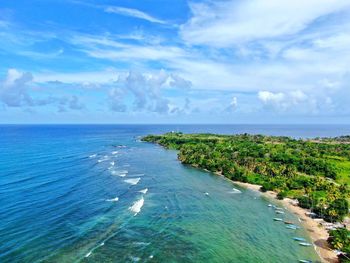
{"points": [[277, 219], [299, 239], [305, 244]]}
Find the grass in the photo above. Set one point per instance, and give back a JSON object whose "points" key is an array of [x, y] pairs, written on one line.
{"points": [[343, 169]]}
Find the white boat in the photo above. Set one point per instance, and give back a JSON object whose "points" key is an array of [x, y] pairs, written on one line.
{"points": [[234, 190], [277, 219], [305, 244], [299, 239]]}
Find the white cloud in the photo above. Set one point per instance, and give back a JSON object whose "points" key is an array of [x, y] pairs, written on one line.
{"points": [[85, 79], [293, 55], [41, 55], [225, 23], [15, 91], [234, 102], [338, 42], [145, 92], [133, 13], [268, 97], [116, 100], [297, 102], [281, 101], [233, 105]]}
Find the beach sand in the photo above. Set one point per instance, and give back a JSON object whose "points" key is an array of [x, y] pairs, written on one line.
{"points": [[315, 230]]}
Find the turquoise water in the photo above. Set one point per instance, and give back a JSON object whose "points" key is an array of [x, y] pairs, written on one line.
{"points": [[78, 194]]}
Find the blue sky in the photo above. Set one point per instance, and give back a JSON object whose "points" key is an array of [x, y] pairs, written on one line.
{"points": [[174, 61]]}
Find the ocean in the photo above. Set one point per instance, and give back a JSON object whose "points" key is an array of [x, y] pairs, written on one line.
{"points": [[95, 193]]}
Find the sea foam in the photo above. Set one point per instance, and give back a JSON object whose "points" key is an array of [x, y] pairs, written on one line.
{"points": [[133, 181], [103, 159], [113, 199], [144, 191], [136, 207], [119, 173]]}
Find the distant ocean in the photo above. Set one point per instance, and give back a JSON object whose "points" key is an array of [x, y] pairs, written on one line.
{"points": [[95, 193]]}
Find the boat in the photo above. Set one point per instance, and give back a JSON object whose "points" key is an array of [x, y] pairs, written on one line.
{"points": [[277, 219], [299, 239], [305, 261], [279, 212], [288, 223], [269, 205], [292, 227], [234, 190], [305, 244]]}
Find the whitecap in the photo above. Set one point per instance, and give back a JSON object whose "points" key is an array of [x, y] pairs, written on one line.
{"points": [[144, 191], [114, 152], [112, 163], [119, 173], [133, 181], [136, 207], [151, 256], [93, 155], [113, 199], [103, 159]]}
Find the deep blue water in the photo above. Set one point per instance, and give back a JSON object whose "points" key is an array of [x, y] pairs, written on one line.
{"points": [[77, 194]]}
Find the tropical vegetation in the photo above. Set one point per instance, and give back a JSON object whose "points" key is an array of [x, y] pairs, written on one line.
{"points": [[340, 239], [316, 172]]}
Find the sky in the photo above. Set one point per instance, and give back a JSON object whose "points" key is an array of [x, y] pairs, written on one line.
{"points": [[175, 61]]}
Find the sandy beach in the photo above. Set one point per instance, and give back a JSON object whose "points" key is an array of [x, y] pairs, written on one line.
{"points": [[315, 230]]}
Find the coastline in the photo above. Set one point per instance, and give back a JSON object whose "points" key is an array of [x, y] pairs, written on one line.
{"points": [[317, 232], [314, 229]]}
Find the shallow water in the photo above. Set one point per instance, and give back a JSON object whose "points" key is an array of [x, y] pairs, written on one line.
{"points": [[77, 194]]}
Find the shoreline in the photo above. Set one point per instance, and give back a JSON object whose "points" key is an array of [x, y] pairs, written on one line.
{"points": [[316, 232]]}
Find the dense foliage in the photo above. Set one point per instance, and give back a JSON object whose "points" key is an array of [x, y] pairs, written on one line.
{"points": [[316, 172], [340, 239]]}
